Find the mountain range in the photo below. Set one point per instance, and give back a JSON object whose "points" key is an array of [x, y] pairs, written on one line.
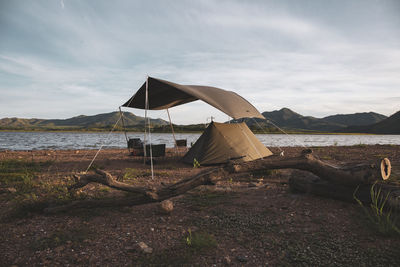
{"points": [[367, 122], [95, 122], [390, 125], [286, 118]]}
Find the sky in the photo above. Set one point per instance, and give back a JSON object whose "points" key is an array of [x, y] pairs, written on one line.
{"points": [[64, 58]]}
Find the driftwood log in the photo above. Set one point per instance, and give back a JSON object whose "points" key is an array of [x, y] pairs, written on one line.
{"points": [[308, 183], [345, 176]]}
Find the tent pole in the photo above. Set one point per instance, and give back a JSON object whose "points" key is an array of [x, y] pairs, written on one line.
{"points": [[148, 123], [145, 122], [123, 126], [173, 133]]}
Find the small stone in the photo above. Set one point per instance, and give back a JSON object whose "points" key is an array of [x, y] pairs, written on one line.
{"points": [[227, 260], [145, 248], [241, 258], [166, 207], [11, 190]]}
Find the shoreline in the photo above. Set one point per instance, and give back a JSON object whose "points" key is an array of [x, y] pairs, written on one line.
{"points": [[172, 149], [290, 132]]}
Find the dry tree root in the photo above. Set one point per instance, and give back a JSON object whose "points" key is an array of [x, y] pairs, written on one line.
{"points": [[139, 195]]}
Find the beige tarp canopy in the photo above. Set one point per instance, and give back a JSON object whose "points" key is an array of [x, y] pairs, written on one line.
{"points": [[163, 94], [222, 142]]}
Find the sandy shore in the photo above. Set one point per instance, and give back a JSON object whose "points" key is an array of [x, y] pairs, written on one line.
{"points": [[255, 221]]}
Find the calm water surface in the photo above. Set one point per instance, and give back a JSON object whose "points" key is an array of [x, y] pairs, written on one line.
{"points": [[79, 140]]}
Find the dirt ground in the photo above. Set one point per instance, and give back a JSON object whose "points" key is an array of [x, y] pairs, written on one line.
{"points": [[253, 221]]}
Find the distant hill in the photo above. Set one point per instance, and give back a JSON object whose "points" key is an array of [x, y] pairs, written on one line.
{"points": [[356, 119], [19, 123], [390, 125], [99, 121], [290, 120]]}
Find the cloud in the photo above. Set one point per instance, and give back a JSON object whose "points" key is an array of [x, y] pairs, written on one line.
{"points": [[92, 56]]}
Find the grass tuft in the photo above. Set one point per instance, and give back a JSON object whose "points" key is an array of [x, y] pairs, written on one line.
{"points": [[381, 218], [200, 241]]}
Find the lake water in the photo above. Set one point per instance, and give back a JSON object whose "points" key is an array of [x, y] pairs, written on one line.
{"points": [[79, 140]]}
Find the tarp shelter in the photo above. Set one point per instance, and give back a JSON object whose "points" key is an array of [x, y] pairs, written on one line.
{"points": [[163, 94], [222, 142]]}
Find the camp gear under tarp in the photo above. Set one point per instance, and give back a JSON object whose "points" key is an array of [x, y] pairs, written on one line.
{"points": [[222, 142], [164, 94]]}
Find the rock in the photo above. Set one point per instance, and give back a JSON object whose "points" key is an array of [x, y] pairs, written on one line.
{"points": [[11, 190], [241, 258], [227, 260], [166, 207], [145, 248]]}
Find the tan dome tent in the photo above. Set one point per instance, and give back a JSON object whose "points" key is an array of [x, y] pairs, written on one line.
{"points": [[222, 142]]}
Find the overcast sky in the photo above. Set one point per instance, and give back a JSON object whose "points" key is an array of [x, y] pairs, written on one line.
{"points": [[65, 58]]}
